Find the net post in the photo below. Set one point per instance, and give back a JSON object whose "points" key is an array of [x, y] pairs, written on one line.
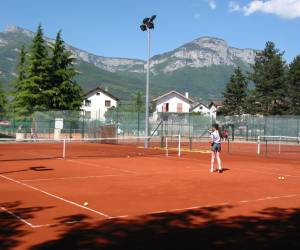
{"points": [[279, 145], [179, 144], [228, 145], [64, 148], [166, 147], [258, 145], [266, 148]]}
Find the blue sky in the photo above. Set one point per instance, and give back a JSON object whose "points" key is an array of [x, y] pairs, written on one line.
{"points": [[111, 27]]}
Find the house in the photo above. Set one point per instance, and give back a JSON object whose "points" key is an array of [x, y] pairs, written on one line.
{"points": [[216, 105], [201, 107], [96, 102], [207, 108], [173, 102]]}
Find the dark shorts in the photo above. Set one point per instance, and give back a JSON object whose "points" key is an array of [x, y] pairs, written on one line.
{"points": [[216, 147]]}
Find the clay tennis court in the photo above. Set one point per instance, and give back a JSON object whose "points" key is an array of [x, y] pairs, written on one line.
{"points": [[146, 200]]}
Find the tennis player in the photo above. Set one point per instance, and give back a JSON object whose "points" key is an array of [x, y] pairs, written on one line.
{"points": [[216, 137]]}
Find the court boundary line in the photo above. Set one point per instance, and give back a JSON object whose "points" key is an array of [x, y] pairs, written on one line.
{"points": [[271, 173], [75, 177], [288, 196], [55, 196], [108, 167]]}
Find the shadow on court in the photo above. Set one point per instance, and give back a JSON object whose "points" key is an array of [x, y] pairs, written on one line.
{"points": [[11, 229], [271, 228], [34, 168]]}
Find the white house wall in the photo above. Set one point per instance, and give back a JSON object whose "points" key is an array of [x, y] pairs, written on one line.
{"points": [[172, 99], [97, 107]]}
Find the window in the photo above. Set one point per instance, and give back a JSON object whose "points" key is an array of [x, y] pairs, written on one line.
{"points": [[98, 93], [88, 103], [166, 107], [107, 103], [179, 107], [87, 115]]}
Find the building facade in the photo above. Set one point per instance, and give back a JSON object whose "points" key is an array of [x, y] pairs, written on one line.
{"points": [[173, 102], [96, 102]]}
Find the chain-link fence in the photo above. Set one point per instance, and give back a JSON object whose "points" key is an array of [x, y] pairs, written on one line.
{"points": [[248, 127], [74, 124]]}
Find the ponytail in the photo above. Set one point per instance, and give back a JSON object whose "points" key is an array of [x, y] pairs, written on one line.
{"points": [[216, 126]]}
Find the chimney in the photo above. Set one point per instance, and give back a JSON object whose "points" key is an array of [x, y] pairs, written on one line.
{"points": [[187, 94]]}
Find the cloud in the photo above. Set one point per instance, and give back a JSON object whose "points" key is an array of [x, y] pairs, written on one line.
{"points": [[212, 4], [197, 15], [288, 9], [233, 6]]}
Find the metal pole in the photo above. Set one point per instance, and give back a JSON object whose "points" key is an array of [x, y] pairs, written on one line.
{"points": [[147, 93], [64, 149]]}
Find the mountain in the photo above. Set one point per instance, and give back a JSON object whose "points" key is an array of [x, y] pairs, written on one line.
{"points": [[201, 67]]}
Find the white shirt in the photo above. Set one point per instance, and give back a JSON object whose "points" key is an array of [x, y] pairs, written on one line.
{"points": [[215, 136]]}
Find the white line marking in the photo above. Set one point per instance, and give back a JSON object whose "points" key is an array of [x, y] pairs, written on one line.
{"points": [[75, 177], [149, 213], [97, 165], [271, 173], [17, 217], [57, 197]]}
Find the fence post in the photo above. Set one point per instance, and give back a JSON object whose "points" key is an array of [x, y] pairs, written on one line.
{"points": [[166, 146], [83, 127], [298, 128], [179, 145], [64, 148], [228, 145], [258, 145], [266, 148], [138, 128]]}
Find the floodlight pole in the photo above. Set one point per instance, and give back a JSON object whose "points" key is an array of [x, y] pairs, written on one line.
{"points": [[147, 92]]}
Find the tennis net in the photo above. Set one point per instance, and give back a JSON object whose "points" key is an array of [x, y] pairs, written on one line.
{"points": [[278, 145], [31, 149]]}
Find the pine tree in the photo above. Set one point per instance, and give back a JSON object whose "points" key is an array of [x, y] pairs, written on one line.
{"points": [[18, 84], [63, 92], [235, 94], [138, 102], [269, 80], [293, 80], [3, 101], [33, 81]]}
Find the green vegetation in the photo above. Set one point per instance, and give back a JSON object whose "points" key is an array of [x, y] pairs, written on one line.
{"points": [[235, 94], [206, 82], [269, 72], [276, 86], [3, 101], [200, 82], [45, 78], [63, 92], [293, 83]]}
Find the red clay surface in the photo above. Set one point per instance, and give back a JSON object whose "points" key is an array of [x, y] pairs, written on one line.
{"points": [[148, 202]]}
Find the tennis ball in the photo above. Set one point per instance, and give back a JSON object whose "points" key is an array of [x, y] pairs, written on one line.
{"points": [[128, 156], [86, 204]]}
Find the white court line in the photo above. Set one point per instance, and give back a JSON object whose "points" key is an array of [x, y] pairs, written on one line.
{"points": [[16, 216], [271, 173], [55, 196], [52, 224], [151, 213], [74, 177], [97, 165]]}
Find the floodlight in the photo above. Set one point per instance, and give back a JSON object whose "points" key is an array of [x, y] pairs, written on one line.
{"points": [[147, 25], [143, 27]]}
